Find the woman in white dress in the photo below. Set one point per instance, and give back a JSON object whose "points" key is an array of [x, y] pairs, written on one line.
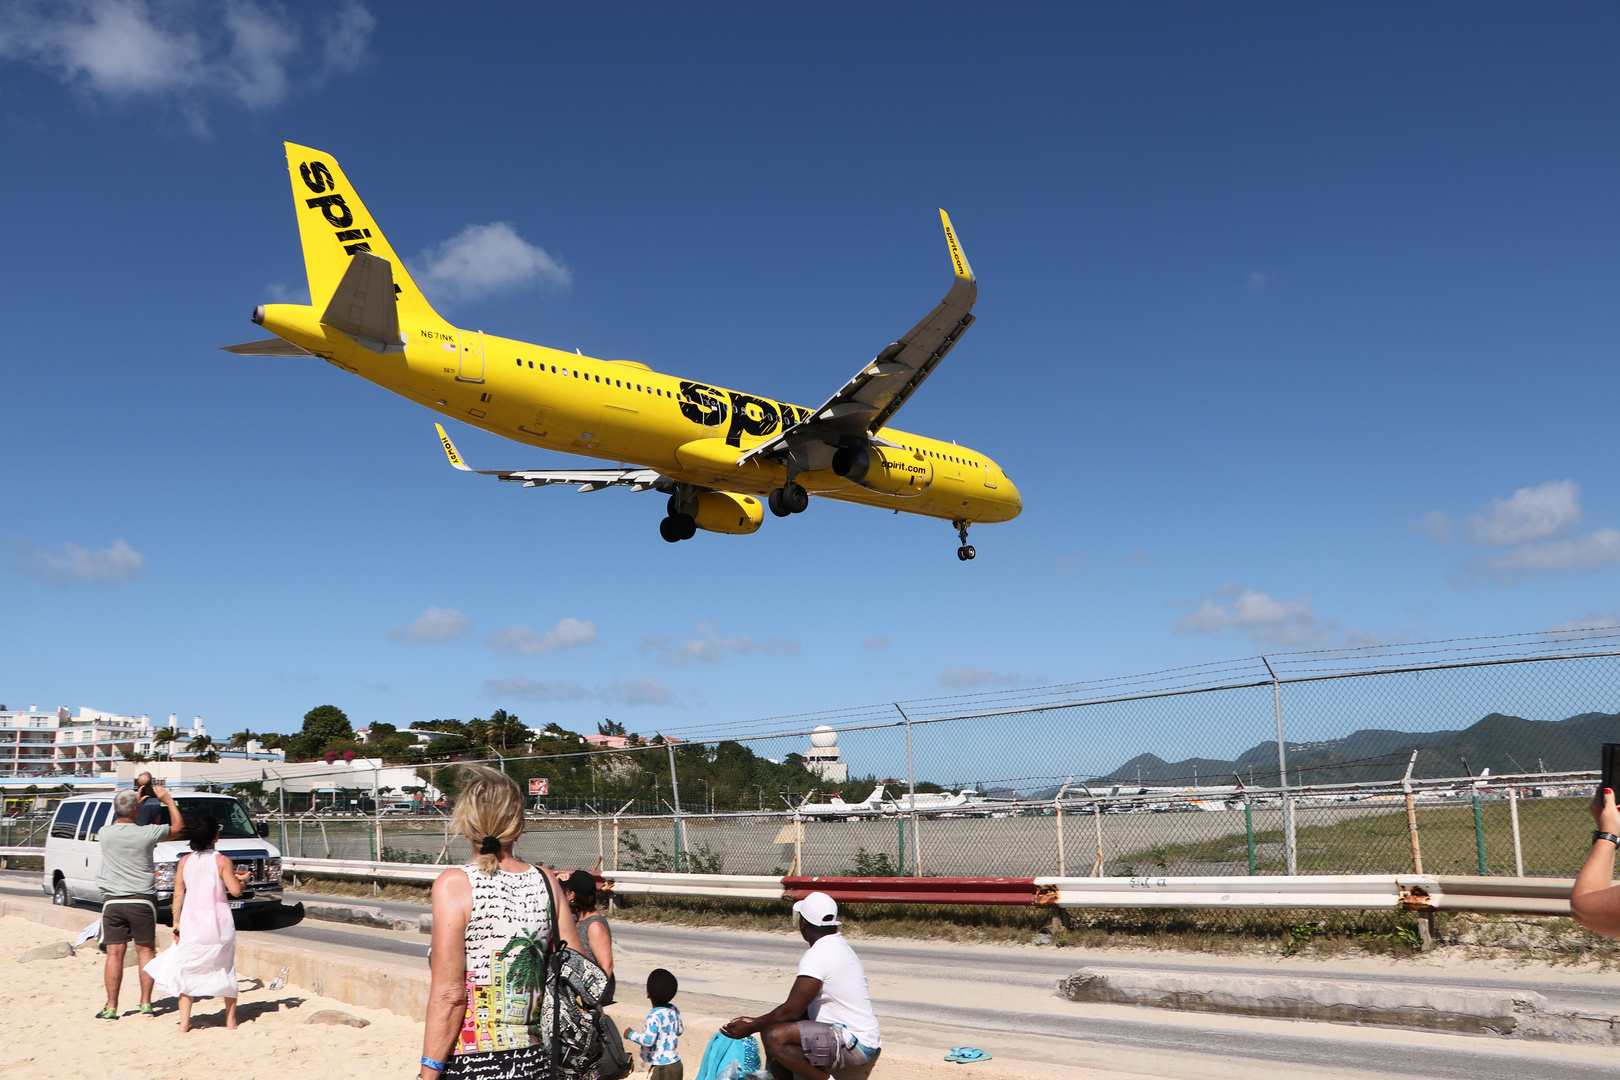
{"points": [[202, 961]]}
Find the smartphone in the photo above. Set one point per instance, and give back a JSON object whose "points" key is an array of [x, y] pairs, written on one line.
{"points": [[1611, 766]]}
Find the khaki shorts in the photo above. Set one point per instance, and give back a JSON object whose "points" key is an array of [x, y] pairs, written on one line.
{"points": [[823, 1047], [127, 919]]}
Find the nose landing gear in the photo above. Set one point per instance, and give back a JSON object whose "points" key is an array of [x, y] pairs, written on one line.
{"points": [[965, 552]]}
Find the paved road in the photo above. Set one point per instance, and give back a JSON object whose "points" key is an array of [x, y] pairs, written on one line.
{"points": [[1028, 975]]}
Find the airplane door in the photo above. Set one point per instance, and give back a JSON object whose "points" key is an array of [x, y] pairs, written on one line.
{"points": [[471, 353]]}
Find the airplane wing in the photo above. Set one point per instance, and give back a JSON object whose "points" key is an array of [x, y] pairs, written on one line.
{"points": [[585, 479], [869, 400]]}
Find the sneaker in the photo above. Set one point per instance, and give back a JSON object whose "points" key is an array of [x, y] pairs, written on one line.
{"points": [[147, 1010], [107, 1014]]}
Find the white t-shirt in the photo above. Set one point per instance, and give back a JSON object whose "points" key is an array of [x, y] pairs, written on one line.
{"points": [[844, 999]]}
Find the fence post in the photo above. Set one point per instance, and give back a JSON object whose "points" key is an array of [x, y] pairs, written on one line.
{"points": [[1513, 813], [900, 827], [798, 844], [1248, 827], [1479, 835], [1057, 806], [1096, 818], [911, 786], [1411, 816], [675, 786], [1290, 844]]}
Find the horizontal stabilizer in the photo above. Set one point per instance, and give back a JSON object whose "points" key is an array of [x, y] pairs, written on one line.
{"points": [[363, 305], [269, 347]]}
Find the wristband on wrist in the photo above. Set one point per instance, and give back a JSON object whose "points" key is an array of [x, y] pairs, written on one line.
{"points": [[430, 1063], [1599, 834]]}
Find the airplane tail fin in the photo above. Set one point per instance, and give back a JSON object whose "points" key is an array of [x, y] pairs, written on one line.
{"points": [[333, 224]]}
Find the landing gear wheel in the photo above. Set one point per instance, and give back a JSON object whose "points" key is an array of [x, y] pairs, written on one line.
{"points": [[774, 501], [669, 530], [687, 524], [673, 507], [795, 498]]}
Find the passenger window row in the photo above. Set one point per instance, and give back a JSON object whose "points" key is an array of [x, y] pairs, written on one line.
{"points": [[620, 383]]}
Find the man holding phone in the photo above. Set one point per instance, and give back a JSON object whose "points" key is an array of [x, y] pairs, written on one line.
{"points": [[151, 809], [1595, 900]]}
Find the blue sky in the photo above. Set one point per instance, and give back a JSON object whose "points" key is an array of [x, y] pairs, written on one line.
{"points": [[1296, 329]]}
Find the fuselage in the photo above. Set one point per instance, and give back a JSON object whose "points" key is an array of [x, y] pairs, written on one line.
{"points": [[623, 411]]}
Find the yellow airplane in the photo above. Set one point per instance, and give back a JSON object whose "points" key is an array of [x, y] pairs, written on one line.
{"points": [[720, 455]]}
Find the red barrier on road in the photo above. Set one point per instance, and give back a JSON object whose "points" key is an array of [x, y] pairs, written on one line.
{"points": [[874, 890]]}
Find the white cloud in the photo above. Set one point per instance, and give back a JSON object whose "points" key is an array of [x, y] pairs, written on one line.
{"points": [[187, 54], [1594, 621], [875, 643], [1532, 513], [967, 678], [1256, 281], [529, 690], [518, 640], [635, 691], [639, 691], [708, 646], [112, 565], [434, 624], [482, 260], [1595, 549], [1256, 616], [1436, 525]]}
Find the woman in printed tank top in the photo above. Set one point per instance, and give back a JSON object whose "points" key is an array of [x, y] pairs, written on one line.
{"points": [[493, 924]]}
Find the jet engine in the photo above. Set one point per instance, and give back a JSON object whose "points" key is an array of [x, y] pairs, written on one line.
{"points": [[727, 512], [886, 469]]}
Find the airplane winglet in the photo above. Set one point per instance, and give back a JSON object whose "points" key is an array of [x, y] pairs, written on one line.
{"points": [[450, 451], [959, 262]]}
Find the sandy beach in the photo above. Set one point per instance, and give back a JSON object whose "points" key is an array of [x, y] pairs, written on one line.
{"points": [[50, 1030]]}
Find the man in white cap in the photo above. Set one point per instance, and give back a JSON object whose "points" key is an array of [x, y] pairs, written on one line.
{"points": [[826, 1025]]}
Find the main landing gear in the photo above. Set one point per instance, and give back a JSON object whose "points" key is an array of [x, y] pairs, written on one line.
{"points": [[679, 525], [789, 499], [965, 552]]}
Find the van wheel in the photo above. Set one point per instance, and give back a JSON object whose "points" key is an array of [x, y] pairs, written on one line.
{"points": [[61, 897]]}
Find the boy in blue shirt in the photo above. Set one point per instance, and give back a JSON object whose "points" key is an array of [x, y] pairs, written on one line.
{"points": [[660, 1038]]}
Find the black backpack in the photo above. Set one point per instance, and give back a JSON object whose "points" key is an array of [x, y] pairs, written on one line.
{"points": [[582, 1037]]}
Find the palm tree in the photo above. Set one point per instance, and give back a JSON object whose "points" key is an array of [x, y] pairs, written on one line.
{"points": [[242, 738], [202, 747], [526, 970], [162, 740]]}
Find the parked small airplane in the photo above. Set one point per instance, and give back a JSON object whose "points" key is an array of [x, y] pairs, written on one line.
{"points": [[720, 455], [836, 807]]}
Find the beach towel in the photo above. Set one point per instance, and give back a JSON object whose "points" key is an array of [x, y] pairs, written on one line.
{"points": [[726, 1058]]}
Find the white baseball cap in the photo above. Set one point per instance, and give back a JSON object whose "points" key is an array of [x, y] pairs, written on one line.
{"points": [[818, 909]]}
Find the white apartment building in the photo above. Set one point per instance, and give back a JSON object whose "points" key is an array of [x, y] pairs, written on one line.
{"points": [[91, 744]]}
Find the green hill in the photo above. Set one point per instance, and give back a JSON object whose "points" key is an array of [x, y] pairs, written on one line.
{"points": [[1503, 744]]}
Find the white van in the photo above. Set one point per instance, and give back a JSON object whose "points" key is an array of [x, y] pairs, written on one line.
{"points": [[73, 855]]}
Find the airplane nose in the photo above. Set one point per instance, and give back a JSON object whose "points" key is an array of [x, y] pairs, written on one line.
{"points": [[1013, 497]]}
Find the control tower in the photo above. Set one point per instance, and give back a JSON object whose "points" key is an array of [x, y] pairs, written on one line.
{"points": [[822, 757]]}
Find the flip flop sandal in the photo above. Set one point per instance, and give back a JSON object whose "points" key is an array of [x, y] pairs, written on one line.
{"points": [[964, 1054], [107, 1014]]}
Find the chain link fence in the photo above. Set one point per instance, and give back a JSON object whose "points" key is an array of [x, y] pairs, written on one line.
{"points": [[1468, 757]]}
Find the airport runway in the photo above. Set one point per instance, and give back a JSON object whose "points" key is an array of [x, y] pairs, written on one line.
{"points": [[950, 995]]}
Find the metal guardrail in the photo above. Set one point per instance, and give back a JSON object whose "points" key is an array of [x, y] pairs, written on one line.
{"points": [[1366, 892]]}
